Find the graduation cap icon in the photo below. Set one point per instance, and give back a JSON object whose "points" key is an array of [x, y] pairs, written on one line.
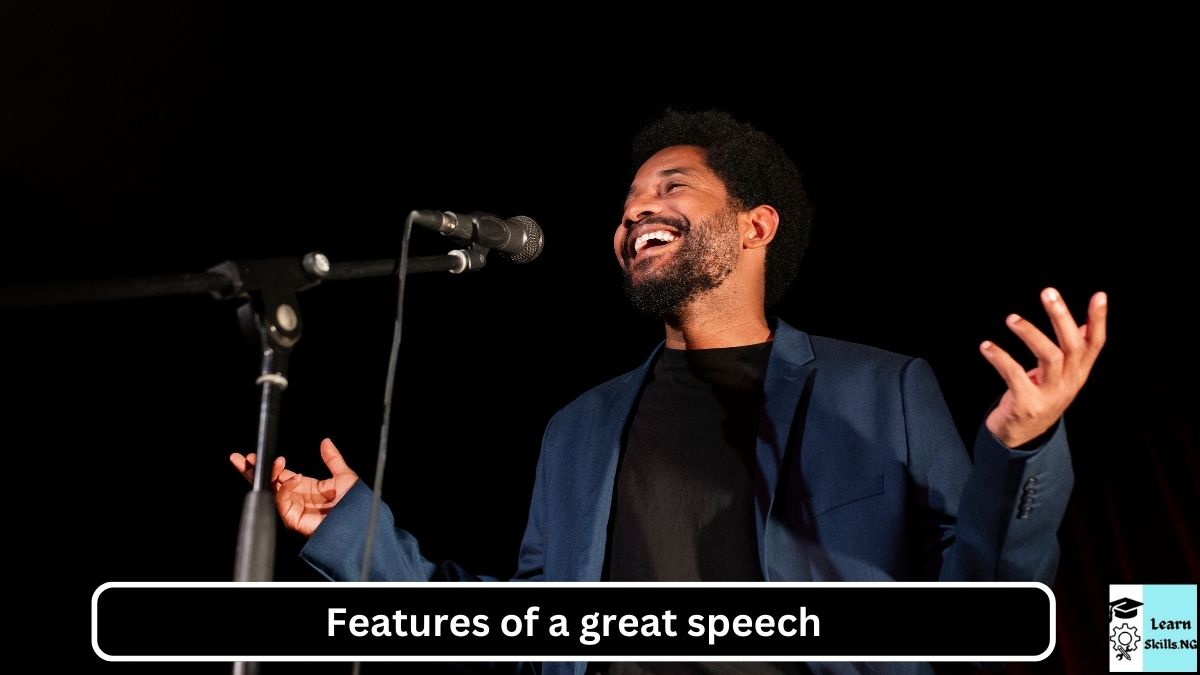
{"points": [[1125, 608]]}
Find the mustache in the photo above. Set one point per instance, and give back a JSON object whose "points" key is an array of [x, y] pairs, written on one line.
{"points": [[680, 225]]}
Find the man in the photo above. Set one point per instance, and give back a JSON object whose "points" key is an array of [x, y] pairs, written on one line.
{"points": [[744, 449]]}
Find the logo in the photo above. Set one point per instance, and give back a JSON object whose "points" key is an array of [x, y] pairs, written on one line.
{"points": [[1125, 639], [1124, 608], [1152, 629]]}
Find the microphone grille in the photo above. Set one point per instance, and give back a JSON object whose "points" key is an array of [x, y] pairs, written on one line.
{"points": [[533, 242]]}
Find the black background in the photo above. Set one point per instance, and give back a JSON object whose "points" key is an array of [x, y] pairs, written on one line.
{"points": [[953, 178]]}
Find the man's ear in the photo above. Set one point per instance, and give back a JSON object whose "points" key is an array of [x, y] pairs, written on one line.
{"points": [[763, 223]]}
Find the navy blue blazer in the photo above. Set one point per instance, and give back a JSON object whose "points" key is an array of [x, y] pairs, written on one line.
{"points": [[861, 476]]}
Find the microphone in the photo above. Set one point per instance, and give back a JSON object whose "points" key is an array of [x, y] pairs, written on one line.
{"points": [[517, 239]]}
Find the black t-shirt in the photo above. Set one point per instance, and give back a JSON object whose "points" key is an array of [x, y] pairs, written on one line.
{"points": [[683, 503]]}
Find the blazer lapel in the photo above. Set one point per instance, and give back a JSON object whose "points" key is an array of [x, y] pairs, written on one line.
{"points": [[609, 429], [788, 371]]}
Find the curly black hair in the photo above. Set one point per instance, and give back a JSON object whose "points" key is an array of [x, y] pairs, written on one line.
{"points": [[755, 171]]}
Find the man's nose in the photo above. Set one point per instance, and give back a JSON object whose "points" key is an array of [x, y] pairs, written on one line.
{"points": [[638, 208]]}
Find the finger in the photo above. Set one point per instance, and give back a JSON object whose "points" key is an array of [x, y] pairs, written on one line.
{"points": [[280, 472], [243, 465], [1096, 330], [1036, 376], [287, 487], [327, 489], [283, 497], [332, 458], [246, 464], [1065, 328], [1014, 375], [1049, 356]]}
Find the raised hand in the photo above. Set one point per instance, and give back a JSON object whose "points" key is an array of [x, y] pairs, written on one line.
{"points": [[1037, 398], [303, 502]]}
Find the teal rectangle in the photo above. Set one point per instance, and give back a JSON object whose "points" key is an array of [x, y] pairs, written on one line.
{"points": [[1169, 603]]}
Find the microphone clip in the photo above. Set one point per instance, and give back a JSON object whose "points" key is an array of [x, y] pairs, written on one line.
{"points": [[472, 258]]}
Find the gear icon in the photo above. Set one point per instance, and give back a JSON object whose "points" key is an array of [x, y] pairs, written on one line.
{"points": [[1125, 639]]}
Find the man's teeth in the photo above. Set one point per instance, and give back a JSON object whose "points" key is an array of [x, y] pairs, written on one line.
{"points": [[660, 235]]}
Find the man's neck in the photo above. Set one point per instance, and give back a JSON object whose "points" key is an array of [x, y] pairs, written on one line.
{"points": [[712, 330]]}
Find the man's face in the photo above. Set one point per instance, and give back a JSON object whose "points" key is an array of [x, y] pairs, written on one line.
{"points": [[678, 235]]}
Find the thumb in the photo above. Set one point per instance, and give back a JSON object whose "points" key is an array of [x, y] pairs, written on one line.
{"points": [[333, 459]]}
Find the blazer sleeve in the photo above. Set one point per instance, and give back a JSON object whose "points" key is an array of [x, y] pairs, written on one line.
{"points": [[531, 562], [335, 549], [993, 516]]}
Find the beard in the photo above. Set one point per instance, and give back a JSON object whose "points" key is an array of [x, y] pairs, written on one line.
{"points": [[706, 256]]}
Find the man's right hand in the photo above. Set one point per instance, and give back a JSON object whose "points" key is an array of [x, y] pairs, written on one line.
{"points": [[303, 502]]}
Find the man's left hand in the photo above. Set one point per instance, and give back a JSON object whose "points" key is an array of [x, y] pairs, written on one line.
{"points": [[1037, 398]]}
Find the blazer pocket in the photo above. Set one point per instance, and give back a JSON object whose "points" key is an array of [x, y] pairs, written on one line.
{"points": [[842, 494]]}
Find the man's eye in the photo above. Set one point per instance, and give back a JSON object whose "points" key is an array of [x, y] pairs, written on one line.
{"points": [[671, 186]]}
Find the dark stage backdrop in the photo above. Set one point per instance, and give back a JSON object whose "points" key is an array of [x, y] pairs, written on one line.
{"points": [[141, 141]]}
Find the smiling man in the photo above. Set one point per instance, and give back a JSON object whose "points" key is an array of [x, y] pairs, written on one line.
{"points": [[744, 449]]}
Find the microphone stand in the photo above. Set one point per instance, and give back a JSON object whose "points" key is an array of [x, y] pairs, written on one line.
{"points": [[271, 287], [219, 283], [268, 289]]}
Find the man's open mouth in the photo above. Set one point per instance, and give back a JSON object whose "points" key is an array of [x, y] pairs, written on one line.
{"points": [[653, 242]]}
